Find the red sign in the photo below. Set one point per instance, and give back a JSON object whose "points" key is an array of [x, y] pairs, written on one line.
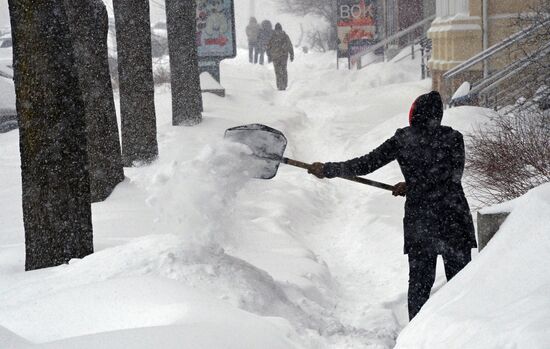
{"points": [[356, 21]]}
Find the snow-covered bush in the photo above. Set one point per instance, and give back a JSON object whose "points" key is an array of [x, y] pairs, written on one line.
{"points": [[511, 155]]}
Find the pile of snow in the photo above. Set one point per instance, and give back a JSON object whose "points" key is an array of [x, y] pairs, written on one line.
{"points": [[191, 251], [208, 82], [152, 282], [501, 299], [462, 90], [192, 243]]}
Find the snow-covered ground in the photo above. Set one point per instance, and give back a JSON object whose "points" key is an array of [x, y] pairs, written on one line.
{"points": [[501, 300], [191, 252]]}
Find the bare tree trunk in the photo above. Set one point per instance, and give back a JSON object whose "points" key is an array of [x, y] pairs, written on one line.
{"points": [[184, 69], [137, 89], [52, 136], [89, 25]]}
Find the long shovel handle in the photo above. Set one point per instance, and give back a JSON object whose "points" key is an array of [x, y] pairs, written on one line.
{"points": [[361, 180], [296, 163]]}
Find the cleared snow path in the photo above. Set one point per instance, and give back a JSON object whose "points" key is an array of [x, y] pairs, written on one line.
{"points": [[359, 233], [301, 262]]}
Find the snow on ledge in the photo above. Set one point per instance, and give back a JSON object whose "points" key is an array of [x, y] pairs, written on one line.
{"points": [[209, 83]]}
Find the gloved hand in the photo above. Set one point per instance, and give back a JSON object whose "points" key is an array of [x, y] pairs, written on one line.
{"points": [[400, 189], [292, 58], [317, 169]]}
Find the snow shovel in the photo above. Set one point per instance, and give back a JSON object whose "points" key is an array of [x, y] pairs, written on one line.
{"points": [[268, 145]]}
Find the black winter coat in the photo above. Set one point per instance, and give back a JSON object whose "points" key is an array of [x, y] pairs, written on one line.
{"points": [[265, 33], [431, 157], [280, 46]]}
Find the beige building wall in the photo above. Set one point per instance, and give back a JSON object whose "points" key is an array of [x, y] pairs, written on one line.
{"points": [[457, 34]]}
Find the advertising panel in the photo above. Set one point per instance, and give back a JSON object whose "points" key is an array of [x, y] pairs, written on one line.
{"points": [[356, 22], [216, 29]]}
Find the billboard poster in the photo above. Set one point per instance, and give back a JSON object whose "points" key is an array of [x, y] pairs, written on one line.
{"points": [[357, 46], [215, 29], [356, 22]]}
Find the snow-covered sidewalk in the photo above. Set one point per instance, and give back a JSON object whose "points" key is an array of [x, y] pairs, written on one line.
{"points": [[190, 252], [320, 261]]}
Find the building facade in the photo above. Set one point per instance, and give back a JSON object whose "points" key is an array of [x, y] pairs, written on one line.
{"points": [[396, 15], [463, 28]]}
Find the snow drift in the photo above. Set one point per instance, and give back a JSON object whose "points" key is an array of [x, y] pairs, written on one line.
{"points": [[500, 300], [190, 251]]}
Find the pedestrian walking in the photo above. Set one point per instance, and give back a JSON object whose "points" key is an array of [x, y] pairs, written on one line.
{"points": [[279, 50], [252, 32], [437, 216], [266, 31]]}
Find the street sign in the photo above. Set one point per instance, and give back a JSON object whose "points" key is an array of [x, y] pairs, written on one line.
{"points": [[356, 22], [216, 29]]}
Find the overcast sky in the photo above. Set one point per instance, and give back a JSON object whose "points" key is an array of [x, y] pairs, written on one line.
{"points": [[4, 14], [157, 14], [264, 9]]}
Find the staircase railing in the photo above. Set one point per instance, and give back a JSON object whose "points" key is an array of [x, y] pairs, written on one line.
{"points": [[493, 50], [492, 95], [502, 85], [407, 33]]}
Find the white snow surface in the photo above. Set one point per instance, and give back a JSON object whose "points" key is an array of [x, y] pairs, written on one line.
{"points": [[192, 252], [7, 91], [462, 90], [208, 82]]}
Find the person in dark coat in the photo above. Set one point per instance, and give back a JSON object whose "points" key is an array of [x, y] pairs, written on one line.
{"points": [[437, 216], [264, 35], [252, 33], [279, 50]]}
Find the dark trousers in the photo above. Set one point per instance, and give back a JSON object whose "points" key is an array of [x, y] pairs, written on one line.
{"points": [[281, 74], [260, 54], [253, 52], [422, 274]]}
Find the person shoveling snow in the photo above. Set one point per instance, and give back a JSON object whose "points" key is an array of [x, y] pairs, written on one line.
{"points": [[437, 216]]}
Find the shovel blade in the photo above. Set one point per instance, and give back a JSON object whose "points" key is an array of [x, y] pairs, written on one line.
{"points": [[267, 146]]}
